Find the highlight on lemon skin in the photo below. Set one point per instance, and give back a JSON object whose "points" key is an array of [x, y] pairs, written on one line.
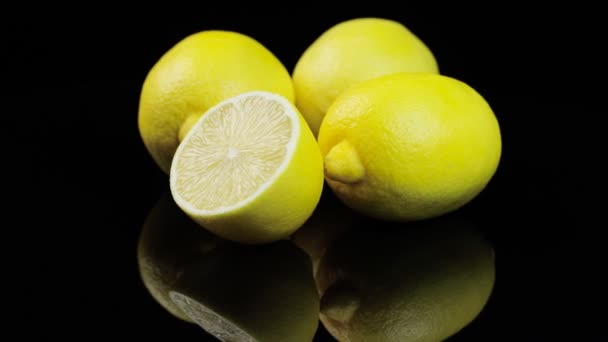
{"points": [[249, 170]]}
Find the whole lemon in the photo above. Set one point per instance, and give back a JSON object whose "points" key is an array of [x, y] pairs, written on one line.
{"points": [[409, 146], [198, 72], [352, 51]]}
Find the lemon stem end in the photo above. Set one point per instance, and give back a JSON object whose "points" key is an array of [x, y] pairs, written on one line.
{"points": [[342, 163], [340, 303], [187, 125]]}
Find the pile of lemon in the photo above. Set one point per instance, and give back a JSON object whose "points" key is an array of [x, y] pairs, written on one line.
{"points": [[365, 116]]}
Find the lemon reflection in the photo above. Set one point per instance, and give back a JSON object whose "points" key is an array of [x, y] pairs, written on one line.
{"points": [[330, 219], [234, 292], [423, 281]]}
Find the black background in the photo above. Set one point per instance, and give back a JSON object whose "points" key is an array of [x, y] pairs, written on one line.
{"points": [[81, 182]]}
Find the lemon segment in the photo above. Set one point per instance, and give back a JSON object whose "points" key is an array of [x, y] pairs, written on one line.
{"points": [[249, 169]]}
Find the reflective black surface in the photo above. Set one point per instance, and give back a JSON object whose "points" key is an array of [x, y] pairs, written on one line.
{"points": [[84, 184]]}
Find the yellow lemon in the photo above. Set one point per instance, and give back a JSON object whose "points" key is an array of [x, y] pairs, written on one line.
{"points": [[194, 75], [350, 52], [409, 146], [422, 281], [249, 170]]}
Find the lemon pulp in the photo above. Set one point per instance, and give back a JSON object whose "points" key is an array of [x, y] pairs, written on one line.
{"points": [[236, 150]]}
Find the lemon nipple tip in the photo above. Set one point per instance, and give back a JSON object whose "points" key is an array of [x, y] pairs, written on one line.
{"points": [[342, 163]]}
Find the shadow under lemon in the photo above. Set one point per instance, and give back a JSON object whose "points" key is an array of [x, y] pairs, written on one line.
{"points": [[234, 292], [422, 281], [330, 219]]}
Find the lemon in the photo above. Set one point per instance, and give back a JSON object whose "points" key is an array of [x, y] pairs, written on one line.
{"points": [[249, 170], [409, 146], [352, 51], [194, 75], [169, 240], [262, 293], [420, 281]]}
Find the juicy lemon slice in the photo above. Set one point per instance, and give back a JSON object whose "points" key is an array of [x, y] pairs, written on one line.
{"points": [[249, 170]]}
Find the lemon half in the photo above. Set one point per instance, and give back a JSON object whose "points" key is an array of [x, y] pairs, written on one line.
{"points": [[249, 170]]}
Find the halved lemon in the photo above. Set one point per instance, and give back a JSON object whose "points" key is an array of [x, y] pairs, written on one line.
{"points": [[249, 170]]}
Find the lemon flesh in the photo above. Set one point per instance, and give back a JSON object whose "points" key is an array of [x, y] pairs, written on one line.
{"points": [[239, 152], [351, 52], [195, 74], [249, 170]]}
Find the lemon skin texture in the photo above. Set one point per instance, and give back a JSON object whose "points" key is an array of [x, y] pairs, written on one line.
{"points": [[197, 73], [409, 146], [350, 52]]}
